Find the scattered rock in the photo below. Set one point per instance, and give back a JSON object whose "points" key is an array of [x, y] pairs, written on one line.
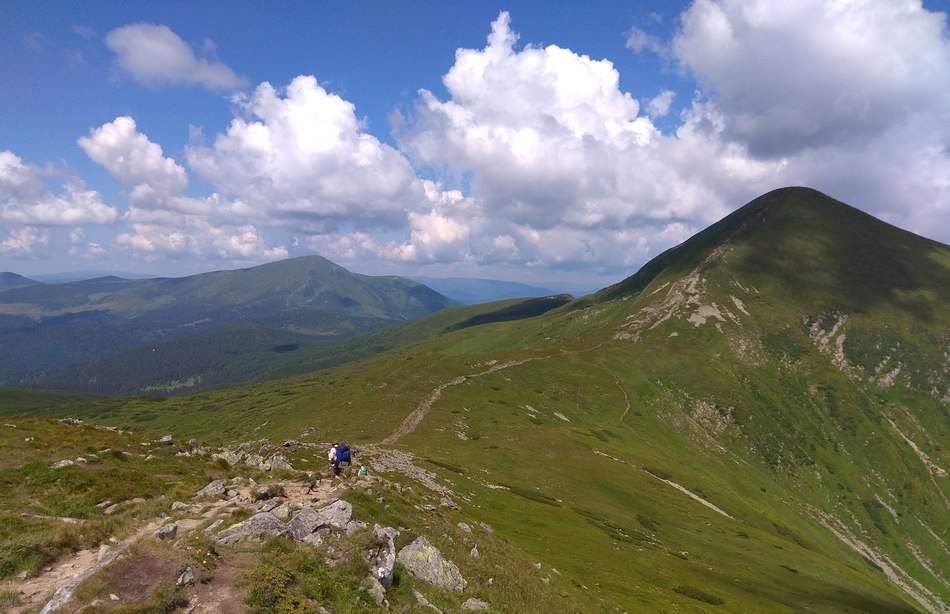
{"points": [[486, 526], [290, 443], [194, 443], [122, 504], [167, 532], [375, 589], [339, 515], [425, 561], [186, 577], [276, 461], [306, 522], [255, 527], [214, 525], [165, 441], [103, 551], [381, 558], [465, 527], [178, 505], [72, 421], [474, 604], [113, 597], [446, 502], [474, 551], [60, 464], [214, 489], [267, 506], [537, 566], [282, 511]]}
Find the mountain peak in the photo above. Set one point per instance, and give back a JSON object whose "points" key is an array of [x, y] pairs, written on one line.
{"points": [[809, 244]]}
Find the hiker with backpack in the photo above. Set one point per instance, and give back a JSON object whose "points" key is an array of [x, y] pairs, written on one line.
{"points": [[339, 453]]}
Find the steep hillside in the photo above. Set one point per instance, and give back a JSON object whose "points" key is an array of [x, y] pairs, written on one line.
{"points": [[47, 327], [756, 421]]}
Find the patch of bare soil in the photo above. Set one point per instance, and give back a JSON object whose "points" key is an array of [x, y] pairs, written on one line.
{"points": [[223, 593]]}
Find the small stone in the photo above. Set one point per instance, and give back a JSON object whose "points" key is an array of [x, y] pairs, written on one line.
{"points": [[465, 527], [61, 464], [169, 531], [187, 577], [282, 511], [214, 525], [213, 489], [446, 502], [267, 506], [537, 565], [113, 597], [103, 550], [474, 551], [178, 505], [420, 599], [375, 589], [165, 441], [474, 604], [486, 526]]}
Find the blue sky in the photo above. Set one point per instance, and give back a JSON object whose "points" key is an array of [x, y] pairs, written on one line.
{"points": [[530, 141]]}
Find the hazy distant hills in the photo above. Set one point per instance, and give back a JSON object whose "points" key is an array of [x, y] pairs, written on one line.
{"points": [[12, 281], [472, 291], [756, 421], [45, 327]]}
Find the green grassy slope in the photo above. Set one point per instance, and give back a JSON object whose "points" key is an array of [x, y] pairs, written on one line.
{"points": [[758, 419]]}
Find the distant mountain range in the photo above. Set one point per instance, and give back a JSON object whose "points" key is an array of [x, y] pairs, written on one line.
{"points": [[48, 330], [473, 291]]}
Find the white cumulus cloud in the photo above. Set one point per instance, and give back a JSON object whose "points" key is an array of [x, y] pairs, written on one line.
{"points": [[154, 55], [25, 199], [564, 169], [302, 157], [134, 160], [24, 240], [792, 75]]}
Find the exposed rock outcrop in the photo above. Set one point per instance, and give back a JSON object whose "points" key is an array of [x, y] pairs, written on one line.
{"points": [[425, 561]]}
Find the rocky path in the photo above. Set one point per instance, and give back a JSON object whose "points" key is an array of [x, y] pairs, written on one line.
{"points": [[413, 419], [53, 589]]}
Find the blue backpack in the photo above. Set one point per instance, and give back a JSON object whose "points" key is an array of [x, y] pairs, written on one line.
{"points": [[343, 453]]}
